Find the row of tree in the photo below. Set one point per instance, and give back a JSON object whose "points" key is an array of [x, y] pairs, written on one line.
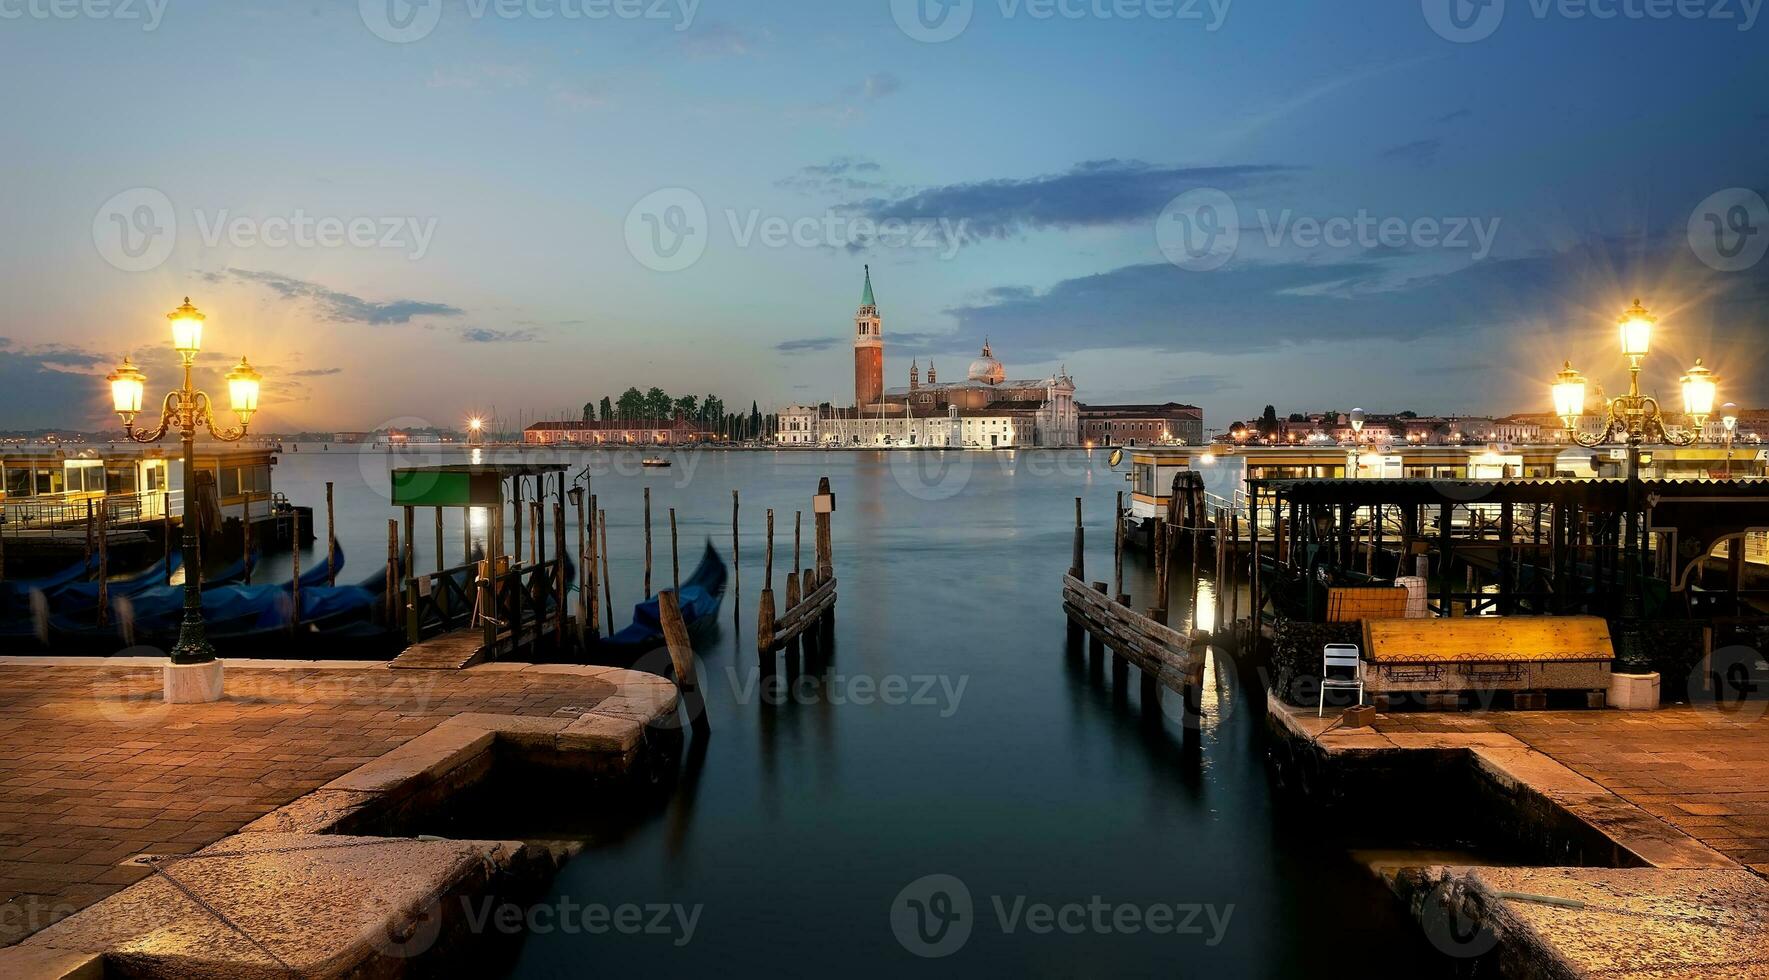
{"points": [[656, 405]]}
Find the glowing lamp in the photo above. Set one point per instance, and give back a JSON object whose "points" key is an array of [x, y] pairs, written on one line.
{"points": [[1357, 421], [1636, 331], [1569, 394], [187, 330], [242, 390], [1729, 417], [1699, 388], [127, 385]]}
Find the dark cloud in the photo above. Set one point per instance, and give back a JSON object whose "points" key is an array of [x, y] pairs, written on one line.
{"points": [[1249, 307], [1101, 192], [49, 386], [1456, 115], [842, 175], [483, 335], [336, 306], [316, 372], [1419, 153]]}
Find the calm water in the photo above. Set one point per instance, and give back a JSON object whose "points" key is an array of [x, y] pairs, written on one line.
{"points": [[999, 760]]}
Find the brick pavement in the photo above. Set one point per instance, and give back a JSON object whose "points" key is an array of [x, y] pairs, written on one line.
{"points": [[1703, 770], [96, 769]]}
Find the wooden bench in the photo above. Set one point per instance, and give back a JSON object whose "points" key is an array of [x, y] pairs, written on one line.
{"points": [[1487, 653]]}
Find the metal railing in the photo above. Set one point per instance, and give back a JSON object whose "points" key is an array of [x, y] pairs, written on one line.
{"points": [[64, 512]]}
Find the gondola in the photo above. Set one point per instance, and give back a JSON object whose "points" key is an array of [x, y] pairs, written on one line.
{"points": [[702, 594]]}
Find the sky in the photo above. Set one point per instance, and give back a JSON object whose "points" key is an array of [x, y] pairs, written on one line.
{"points": [[408, 211]]}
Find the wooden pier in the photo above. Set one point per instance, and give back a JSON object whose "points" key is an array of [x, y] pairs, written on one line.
{"points": [[1163, 655], [808, 621]]}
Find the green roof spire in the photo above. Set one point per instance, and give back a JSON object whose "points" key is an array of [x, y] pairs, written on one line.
{"points": [[866, 296]]}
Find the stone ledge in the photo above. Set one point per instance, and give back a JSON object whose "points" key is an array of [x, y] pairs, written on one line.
{"points": [[1663, 923], [385, 898], [426, 758]]}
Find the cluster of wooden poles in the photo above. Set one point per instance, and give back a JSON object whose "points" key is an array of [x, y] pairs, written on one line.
{"points": [[808, 621]]}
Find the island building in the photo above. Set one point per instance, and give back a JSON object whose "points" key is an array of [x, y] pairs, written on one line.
{"points": [[614, 432], [1169, 424], [984, 410]]}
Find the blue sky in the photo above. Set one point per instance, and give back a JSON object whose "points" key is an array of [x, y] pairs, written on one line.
{"points": [[492, 167]]}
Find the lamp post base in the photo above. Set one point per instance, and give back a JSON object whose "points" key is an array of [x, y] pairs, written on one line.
{"points": [[1633, 692], [193, 683]]}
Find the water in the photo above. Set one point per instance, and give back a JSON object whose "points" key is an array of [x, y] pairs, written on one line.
{"points": [[1000, 762]]}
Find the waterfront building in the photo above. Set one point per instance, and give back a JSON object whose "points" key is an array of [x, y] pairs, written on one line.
{"points": [[614, 432], [984, 410], [1169, 424]]}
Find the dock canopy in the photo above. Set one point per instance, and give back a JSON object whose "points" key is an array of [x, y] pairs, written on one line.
{"points": [[461, 484]]}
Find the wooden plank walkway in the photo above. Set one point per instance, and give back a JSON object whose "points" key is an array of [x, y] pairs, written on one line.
{"points": [[455, 650]]}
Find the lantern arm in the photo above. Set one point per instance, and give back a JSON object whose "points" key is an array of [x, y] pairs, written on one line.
{"points": [[169, 410], [207, 418]]}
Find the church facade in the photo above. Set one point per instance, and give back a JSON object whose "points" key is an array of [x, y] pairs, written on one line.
{"points": [[985, 410]]}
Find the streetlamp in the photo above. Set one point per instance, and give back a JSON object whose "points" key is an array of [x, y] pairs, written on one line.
{"points": [[1634, 419], [475, 429], [1729, 419], [195, 674]]}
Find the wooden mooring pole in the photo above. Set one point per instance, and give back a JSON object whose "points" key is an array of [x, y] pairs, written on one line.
{"points": [[295, 571], [675, 556], [332, 538], [246, 533], [647, 592], [675, 635], [607, 584]]}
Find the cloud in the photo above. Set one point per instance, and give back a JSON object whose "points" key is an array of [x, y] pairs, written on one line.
{"points": [[1183, 389], [578, 97], [1249, 307], [53, 385], [841, 175], [1419, 153], [720, 40], [483, 335], [316, 372], [470, 77], [1456, 115], [1091, 194], [854, 99], [807, 345], [338, 307]]}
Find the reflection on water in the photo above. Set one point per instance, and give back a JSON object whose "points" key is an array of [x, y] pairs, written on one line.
{"points": [[948, 733]]}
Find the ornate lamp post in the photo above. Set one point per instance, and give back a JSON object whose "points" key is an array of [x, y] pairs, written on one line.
{"points": [[1729, 419], [195, 674], [1357, 439], [1635, 419]]}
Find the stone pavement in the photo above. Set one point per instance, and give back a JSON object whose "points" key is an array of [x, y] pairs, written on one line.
{"points": [[97, 769], [1703, 770]]}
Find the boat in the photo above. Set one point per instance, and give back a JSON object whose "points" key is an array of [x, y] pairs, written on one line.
{"points": [[702, 594], [655, 462]]}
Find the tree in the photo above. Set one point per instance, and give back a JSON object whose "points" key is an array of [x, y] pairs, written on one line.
{"points": [[755, 420], [658, 404], [631, 406], [686, 408], [1268, 423], [607, 409], [589, 411]]}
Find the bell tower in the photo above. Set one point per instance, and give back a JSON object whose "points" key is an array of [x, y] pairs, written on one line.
{"points": [[868, 350]]}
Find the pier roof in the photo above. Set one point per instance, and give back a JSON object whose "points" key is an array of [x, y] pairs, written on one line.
{"points": [[1595, 493]]}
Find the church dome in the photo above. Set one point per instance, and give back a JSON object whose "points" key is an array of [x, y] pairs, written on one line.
{"points": [[987, 369]]}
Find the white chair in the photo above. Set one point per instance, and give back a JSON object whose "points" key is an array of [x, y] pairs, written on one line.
{"points": [[1341, 656]]}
